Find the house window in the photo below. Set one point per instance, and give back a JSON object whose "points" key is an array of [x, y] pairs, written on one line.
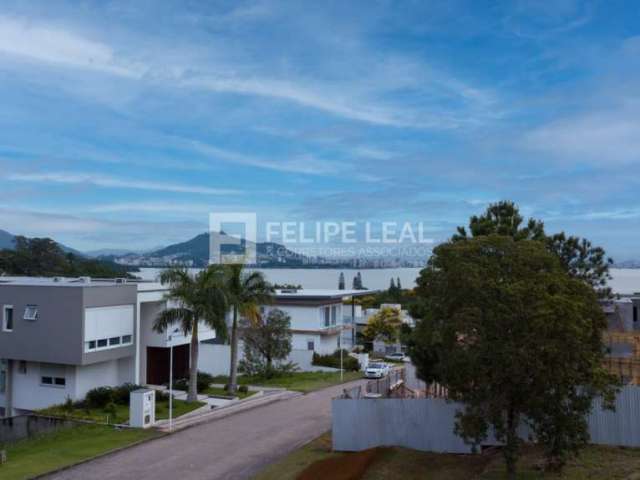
{"points": [[327, 316], [7, 318], [334, 315], [49, 381], [635, 313], [114, 341], [22, 367], [3, 380], [126, 339], [92, 345], [310, 345], [102, 343], [31, 312]]}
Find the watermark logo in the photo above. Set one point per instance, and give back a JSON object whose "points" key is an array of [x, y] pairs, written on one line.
{"points": [[233, 237]]}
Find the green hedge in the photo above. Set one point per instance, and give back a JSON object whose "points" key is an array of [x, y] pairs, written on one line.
{"points": [[348, 363]]}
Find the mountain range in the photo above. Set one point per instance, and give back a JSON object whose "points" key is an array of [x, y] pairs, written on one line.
{"points": [[195, 252]]}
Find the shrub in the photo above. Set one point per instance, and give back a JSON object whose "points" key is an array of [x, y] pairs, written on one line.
{"points": [[99, 397], [111, 409], [243, 389], [204, 380], [122, 394], [348, 363]]}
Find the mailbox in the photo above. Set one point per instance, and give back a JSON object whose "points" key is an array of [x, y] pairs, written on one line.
{"points": [[142, 408]]}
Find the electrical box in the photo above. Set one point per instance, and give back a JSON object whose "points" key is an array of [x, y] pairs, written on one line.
{"points": [[142, 408]]}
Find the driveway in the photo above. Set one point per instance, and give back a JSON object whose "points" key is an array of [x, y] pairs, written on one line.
{"points": [[233, 447]]}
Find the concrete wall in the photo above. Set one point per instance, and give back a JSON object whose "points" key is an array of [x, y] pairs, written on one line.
{"points": [[427, 424], [419, 424], [215, 359]]}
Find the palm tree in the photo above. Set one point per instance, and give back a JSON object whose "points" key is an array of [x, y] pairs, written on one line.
{"points": [[245, 292], [197, 298]]}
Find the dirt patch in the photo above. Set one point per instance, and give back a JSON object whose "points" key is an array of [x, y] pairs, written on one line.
{"points": [[351, 466]]}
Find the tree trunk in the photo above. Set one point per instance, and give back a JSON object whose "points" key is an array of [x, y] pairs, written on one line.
{"points": [[192, 396], [233, 374], [511, 446]]}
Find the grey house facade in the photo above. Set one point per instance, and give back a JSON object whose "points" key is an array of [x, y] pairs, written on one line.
{"points": [[59, 338]]}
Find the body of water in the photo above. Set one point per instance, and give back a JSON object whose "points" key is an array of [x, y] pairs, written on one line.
{"points": [[625, 281]]}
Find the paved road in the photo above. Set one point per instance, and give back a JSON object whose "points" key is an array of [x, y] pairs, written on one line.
{"points": [[234, 447]]}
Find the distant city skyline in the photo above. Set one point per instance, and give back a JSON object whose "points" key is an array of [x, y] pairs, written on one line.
{"points": [[123, 124]]}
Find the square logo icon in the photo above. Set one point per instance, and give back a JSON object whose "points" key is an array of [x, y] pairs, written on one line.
{"points": [[233, 237]]}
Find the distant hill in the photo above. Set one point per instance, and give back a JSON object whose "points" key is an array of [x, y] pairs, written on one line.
{"points": [[627, 264], [195, 252], [7, 240], [107, 252]]}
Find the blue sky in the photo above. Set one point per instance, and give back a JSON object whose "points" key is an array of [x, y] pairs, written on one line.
{"points": [[122, 124]]}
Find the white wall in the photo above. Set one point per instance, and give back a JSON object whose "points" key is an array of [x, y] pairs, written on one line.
{"points": [[29, 394], [96, 375], [215, 359], [299, 341]]}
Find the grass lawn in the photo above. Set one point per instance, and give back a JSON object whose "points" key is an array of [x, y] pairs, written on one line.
{"points": [[299, 381], [180, 407], [65, 447], [316, 460], [223, 392]]}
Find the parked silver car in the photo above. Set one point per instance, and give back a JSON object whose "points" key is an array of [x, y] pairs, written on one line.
{"points": [[376, 370]]}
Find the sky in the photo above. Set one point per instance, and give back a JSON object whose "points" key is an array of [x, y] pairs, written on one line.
{"points": [[123, 124]]}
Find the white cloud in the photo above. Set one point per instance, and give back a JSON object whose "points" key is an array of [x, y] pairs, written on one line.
{"points": [[44, 43], [355, 98], [116, 182], [602, 138]]}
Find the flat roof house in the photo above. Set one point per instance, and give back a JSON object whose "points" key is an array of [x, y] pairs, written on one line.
{"points": [[61, 337], [319, 319]]}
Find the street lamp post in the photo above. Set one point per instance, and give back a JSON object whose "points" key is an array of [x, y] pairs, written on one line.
{"points": [[170, 340]]}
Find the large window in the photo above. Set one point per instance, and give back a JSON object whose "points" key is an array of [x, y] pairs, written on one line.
{"points": [[7, 318]]}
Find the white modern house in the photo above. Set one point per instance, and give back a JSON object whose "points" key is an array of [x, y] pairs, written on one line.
{"points": [[320, 320], [61, 337]]}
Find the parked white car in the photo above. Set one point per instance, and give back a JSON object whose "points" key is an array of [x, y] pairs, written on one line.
{"points": [[397, 357], [376, 370]]}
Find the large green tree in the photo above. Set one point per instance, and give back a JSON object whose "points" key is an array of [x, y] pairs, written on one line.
{"points": [[513, 337], [579, 257], [193, 299], [266, 339], [245, 291]]}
